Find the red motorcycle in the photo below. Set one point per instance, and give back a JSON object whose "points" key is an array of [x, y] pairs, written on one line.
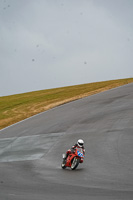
{"points": [[73, 159]]}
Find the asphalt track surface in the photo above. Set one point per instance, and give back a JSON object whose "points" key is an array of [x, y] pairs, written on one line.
{"points": [[31, 151]]}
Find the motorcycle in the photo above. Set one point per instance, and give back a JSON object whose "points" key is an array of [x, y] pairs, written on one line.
{"points": [[73, 159]]}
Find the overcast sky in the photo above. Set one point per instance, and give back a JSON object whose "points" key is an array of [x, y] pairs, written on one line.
{"points": [[55, 43]]}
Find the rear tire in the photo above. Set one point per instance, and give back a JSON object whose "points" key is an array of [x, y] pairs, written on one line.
{"points": [[75, 163]]}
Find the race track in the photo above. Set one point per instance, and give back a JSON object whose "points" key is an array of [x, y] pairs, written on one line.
{"points": [[31, 151]]}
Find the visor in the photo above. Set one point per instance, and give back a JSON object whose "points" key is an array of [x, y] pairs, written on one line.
{"points": [[81, 144]]}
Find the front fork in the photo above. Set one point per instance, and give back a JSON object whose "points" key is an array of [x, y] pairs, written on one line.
{"points": [[64, 158]]}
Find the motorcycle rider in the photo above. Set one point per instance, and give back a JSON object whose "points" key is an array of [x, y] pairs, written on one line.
{"points": [[79, 144]]}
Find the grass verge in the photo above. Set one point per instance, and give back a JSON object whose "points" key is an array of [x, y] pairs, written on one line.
{"points": [[15, 108]]}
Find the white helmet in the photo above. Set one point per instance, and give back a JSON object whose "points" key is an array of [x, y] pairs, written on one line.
{"points": [[80, 143]]}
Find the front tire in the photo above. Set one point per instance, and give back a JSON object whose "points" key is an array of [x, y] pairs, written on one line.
{"points": [[63, 164], [75, 163]]}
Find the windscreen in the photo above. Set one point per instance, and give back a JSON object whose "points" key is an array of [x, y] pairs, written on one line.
{"points": [[81, 150]]}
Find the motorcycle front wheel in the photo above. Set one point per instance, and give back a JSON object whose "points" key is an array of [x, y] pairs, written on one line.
{"points": [[63, 164], [75, 163]]}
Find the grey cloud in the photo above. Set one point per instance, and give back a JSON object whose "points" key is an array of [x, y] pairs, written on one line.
{"points": [[48, 43]]}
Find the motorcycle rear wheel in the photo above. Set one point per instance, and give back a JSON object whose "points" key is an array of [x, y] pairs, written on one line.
{"points": [[75, 163]]}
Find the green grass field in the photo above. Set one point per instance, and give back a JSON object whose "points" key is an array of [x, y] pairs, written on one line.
{"points": [[15, 108]]}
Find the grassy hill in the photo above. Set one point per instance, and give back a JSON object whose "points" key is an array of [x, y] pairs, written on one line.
{"points": [[15, 108]]}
